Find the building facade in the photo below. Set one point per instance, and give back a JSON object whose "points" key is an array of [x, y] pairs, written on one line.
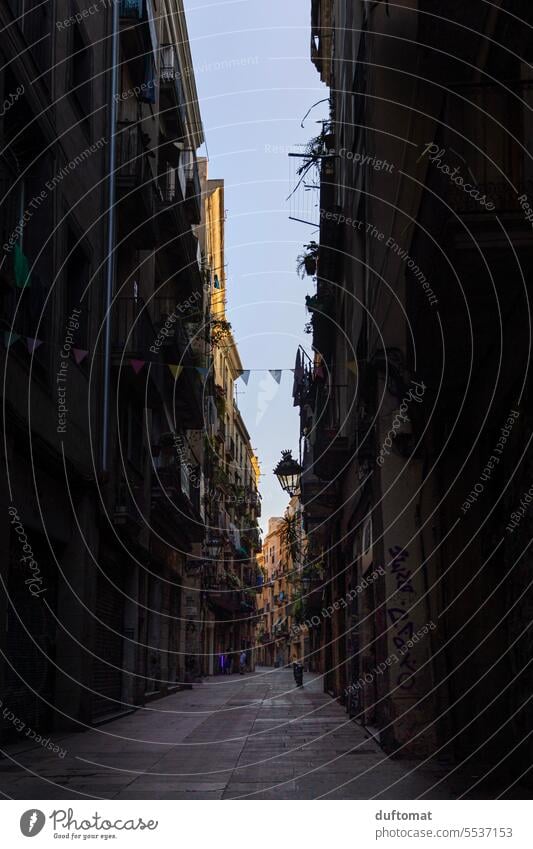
{"points": [[414, 389], [110, 341], [231, 576], [290, 593]]}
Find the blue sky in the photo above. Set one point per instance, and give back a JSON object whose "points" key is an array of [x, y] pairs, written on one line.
{"points": [[255, 83]]}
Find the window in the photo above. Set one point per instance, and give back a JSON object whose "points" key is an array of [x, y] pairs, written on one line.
{"points": [[134, 436], [367, 536], [80, 77], [77, 276]]}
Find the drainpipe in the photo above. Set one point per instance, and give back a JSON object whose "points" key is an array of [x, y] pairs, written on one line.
{"points": [[110, 260]]}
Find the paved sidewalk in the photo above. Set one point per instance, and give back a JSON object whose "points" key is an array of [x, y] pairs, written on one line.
{"points": [[251, 737]]}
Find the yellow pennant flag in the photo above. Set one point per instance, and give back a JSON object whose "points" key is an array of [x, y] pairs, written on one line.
{"points": [[352, 366], [175, 371]]}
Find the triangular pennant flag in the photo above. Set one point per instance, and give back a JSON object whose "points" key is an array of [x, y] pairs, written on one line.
{"points": [[10, 338], [276, 374], [32, 344], [298, 378], [217, 282], [175, 371], [245, 376], [79, 355], [352, 366], [21, 268], [319, 373], [137, 365], [201, 371]]}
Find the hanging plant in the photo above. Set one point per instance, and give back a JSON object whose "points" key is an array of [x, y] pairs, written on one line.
{"points": [[306, 262], [317, 303], [316, 149], [220, 330], [298, 609], [291, 540]]}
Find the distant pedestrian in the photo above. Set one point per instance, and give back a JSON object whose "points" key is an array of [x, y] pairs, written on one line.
{"points": [[298, 671], [229, 662], [242, 663], [221, 663]]}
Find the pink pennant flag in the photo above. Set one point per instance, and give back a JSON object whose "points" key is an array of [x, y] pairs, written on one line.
{"points": [[79, 355], [137, 365], [32, 344]]}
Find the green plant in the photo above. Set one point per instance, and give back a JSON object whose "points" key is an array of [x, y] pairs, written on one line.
{"points": [[306, 262], [291, 540], [220, 330], [298, 609], [314, 571], [220, 404], [233, 580], [316, 149]]}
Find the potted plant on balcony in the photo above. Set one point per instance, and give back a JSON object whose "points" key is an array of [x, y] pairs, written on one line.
{"points": [[307, 260], [317, 148], [220, 330], [298, 609], [233, 580], [315, 303]]}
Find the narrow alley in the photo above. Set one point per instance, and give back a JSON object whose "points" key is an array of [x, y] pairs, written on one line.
{"points": [[256, 737]]}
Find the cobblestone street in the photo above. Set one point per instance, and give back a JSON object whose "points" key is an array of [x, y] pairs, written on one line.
{"points": [[254, 737]]}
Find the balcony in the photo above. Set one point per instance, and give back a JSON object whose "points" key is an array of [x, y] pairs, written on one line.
{"points": [[133, 329], [193, 191], [280, 628], [34, 18], [179, 247], [172, 95], [168, 326], [128, 510], [313, 595], [220, 433], [323, 316], [488, 113], [224, 600], [176, 499], [500, 193], [135, 187], [138, 34], [223, 593], [331, 453]]}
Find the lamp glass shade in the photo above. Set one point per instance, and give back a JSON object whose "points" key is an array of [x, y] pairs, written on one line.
{"points": [[288, 472]]}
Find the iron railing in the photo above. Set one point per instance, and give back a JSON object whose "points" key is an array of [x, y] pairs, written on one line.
{"points": [[131, 9], [134, 331]]}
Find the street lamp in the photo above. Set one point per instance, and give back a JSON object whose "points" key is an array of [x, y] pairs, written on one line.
{"points": [[213, 546], [288, 472]]}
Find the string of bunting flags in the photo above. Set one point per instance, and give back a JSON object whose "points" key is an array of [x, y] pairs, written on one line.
{"points": [[176, 369]]}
